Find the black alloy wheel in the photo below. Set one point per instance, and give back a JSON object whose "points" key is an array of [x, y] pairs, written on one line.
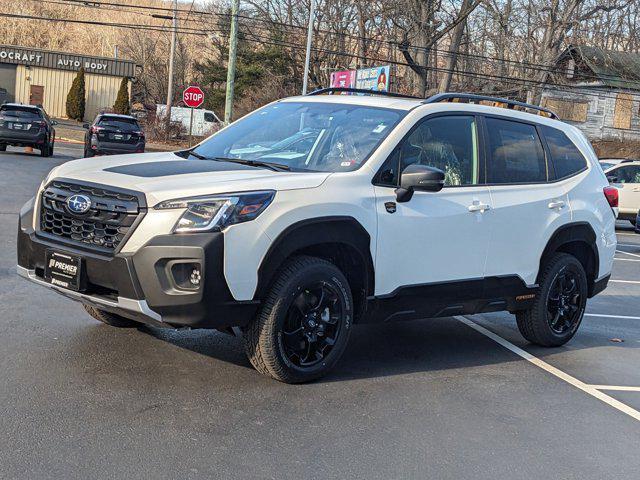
{"points": [[312, 325], [304, 323], [559, 305], [564, 302]]}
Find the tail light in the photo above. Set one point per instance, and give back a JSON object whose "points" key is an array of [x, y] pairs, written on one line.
{"points": [[611, 194], [139, 133]]}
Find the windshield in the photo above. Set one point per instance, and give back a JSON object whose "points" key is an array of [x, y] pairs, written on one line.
{"points": [[20, 113], [122, 124], [326, 137]]}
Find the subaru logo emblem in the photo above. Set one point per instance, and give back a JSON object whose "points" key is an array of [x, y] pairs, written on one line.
{"points": [[78, 203]]}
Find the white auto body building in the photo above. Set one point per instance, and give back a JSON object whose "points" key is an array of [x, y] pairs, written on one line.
{"points": [[34, 76]]}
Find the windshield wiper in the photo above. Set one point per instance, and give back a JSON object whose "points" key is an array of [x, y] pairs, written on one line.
{"points": [[197, 155], [276, 167]]}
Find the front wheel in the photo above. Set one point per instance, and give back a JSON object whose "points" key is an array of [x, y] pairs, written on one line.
{"points": [[305, 322], [3, 147], [559, 305]]}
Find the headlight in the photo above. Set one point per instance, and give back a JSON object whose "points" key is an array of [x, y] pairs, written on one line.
{"points": [[216, 212]]}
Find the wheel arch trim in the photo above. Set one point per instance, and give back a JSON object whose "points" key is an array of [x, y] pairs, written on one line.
{"points": [[312, 232]]}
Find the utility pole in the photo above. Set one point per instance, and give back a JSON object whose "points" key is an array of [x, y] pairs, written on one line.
{"points": [[174, 34], [231, 65], [305, 80]]}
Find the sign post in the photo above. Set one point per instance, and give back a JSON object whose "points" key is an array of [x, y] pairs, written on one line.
{"points": [[193, 97]]}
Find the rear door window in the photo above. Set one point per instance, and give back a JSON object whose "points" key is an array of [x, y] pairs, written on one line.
{"points": [[515, 152], [567, 159]]}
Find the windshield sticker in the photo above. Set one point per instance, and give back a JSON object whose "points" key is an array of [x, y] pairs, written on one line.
{"points": [[380, 128]]}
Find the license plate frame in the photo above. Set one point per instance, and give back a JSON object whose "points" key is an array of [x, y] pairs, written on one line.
{"points": [[64, 270]]}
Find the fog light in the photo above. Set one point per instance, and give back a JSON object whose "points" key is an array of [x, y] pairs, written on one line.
{"points": [[195, 277], [187, 275]]}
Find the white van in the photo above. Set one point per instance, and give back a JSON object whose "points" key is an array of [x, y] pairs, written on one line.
{"points": [[204, 121]]}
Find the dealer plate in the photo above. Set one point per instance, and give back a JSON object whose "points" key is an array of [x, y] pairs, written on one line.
{"points": [[63, 270]]}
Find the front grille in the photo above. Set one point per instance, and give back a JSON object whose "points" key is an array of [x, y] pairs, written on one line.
{"points": [[103, 228]]}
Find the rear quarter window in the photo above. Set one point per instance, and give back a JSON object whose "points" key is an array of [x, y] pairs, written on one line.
{"points": [[565, 156]]}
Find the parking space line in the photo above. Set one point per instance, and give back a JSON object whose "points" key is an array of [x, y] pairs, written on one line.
{"points": [[624, 281], [633, 413], [618, 388], [628, 253], [628, 234], [627, 259], [623, 317], [628, 245]]}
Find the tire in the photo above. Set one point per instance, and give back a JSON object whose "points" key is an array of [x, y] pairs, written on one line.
{"points": [[552, 322], [44, 151], [633, 222], [110, 318], [53, 143], [273, 342], [3, 147], [88, 153]]}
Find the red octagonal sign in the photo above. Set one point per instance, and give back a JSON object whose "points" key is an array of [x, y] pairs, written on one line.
{"points": [[193, 96]]}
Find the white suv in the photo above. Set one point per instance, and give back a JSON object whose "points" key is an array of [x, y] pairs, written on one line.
{"points": [[317, 212], [626, 177]]}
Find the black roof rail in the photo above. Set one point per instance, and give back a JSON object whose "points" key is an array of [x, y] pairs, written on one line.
{"points": [[332, 90], [472, 97]]}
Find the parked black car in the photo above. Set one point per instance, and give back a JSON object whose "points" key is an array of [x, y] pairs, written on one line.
{"points": [[26, 126], [112, 134]]}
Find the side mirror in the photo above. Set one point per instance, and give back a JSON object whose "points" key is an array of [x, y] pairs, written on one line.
{"points": [[612, 178], [86, 125], [54, 122], [421, 178]]}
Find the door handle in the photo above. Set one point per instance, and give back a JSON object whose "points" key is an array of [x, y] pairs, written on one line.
{"points": [[556, 204], [636, 189], [476, 206]]}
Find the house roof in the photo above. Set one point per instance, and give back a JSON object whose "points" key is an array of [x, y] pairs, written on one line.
{"points": [[613, 68]]}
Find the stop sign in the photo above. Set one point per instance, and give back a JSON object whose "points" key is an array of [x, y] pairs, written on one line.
{"points": [[193, 96]]}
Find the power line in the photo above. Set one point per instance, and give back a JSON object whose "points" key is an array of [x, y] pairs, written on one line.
{"points": [[463, 73], [552, 69]]}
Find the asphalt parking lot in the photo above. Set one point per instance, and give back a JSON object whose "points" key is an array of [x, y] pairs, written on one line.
{"points": [[445, 399]]}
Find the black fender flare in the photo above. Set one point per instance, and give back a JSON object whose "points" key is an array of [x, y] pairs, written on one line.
{"points": [[314, 232], [581, 232]]}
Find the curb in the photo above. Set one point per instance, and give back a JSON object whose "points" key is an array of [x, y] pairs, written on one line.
{"points": [[68, 140]]}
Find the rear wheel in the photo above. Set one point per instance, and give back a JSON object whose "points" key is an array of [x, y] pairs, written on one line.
{"points": [[3, 147], [305, 322], [110, 318], [559, 305], [44, 151], [53, 143], [88, 152]]}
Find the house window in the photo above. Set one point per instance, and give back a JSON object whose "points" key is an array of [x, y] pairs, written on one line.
{"points": [[623, 112], [571, 110], [571, 68]]}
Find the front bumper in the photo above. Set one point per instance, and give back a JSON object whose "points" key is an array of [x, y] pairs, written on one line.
{"points": [[150, 286]]}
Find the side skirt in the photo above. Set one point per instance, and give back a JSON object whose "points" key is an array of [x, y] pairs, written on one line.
{"points": [[466, 297]]}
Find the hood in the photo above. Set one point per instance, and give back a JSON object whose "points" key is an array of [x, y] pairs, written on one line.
{"points": [[165, 176]]}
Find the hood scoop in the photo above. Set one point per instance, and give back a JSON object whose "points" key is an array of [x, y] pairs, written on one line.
{"points": [[176, 167]]}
